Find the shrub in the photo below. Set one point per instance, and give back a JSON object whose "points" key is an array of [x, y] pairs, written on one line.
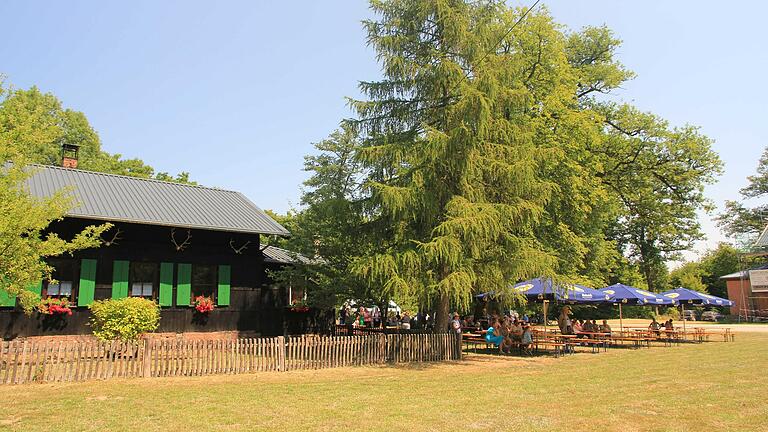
{"points": [[125, 319]]}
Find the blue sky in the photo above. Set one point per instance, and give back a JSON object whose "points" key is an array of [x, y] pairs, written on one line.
{"points": [[235, 92]]}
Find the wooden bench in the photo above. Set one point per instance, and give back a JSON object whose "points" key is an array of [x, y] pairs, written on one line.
{"points": [[560, 348], [636, 341], [473, 341], [595, 344], [703, 335]]}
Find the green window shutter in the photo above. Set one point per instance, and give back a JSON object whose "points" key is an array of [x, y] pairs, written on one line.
{"points": [[222, 296], [87, 284], [36, 288], [6, 299], [120, 279], [166, 284], [184, 285]]}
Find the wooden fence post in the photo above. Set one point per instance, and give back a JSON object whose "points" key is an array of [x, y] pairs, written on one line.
{"points": [[459, 344], [281, 353], [147, 369]]}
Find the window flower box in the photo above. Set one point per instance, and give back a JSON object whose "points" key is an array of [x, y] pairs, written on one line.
{"points": [[204, 304], [54, 306]]}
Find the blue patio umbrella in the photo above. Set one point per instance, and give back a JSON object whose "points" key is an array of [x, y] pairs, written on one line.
{"points": [[542, 289], [685, 295], [630, 295], [625, 294], [545, 289]]}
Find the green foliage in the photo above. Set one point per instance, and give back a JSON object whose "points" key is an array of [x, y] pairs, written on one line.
{"points": [[37, 125], [333, 226], [124, 319], [657, 173], [489, 157], [24, 244], [688, 276], [455, 144], [485, 156], [719, 262], [704, 274]]}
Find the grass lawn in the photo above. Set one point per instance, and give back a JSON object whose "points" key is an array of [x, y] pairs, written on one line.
{"points": [[709, 387]]}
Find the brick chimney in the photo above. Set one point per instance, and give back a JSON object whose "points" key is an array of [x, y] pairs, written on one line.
{"points": [[69, 155]]}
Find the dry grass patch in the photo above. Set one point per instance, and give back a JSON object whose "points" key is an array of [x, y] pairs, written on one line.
{"points": [[691, 387]]}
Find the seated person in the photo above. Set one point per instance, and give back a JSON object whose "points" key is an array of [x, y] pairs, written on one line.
{"points": [[517, 331], [469, 322], [668, 326], [405, 321], [526, 339], [605, 328], [493, 334], [577, 327], [595, 327], [654, 326], [508, 343], [587, 326]]}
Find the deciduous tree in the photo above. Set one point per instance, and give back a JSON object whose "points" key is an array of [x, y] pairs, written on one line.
{"points": [[24, 243]]}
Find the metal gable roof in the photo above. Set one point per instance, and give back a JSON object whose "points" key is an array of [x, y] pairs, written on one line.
{"points": [[744, 273], [120, 198], [274, 254]]}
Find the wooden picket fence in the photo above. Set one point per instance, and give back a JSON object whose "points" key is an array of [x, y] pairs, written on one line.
{"points": [[67, 361], [315, 352]]}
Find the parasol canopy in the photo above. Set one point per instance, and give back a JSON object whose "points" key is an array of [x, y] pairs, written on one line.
{"points": [[634, 296], [544, 289], [685, 295]]}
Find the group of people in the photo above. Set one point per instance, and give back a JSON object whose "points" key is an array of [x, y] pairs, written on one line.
{"points": [[373, 318], [655, 327], [587, 326], [508, 333], [361, 317], [571, 326]]}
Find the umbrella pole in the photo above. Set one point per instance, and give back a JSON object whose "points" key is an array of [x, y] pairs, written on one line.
{"points": [[621, 320], [545, 317], [682, 305]]}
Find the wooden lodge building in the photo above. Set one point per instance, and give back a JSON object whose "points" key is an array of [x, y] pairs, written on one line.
{"points": [[170, 243]]}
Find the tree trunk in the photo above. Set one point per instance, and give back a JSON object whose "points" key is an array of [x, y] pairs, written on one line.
{"points": [[441, 313], [384, 309]]}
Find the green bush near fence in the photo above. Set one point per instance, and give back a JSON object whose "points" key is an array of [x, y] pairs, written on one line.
{"points": [[124, 319]]}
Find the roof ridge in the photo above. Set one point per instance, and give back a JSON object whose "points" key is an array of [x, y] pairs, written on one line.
{"points": [[132, 177]]}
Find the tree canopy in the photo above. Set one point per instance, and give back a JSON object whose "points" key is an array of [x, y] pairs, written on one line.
{"points": [[704, 274], [24, 242], [37, 125], [488, 153]]}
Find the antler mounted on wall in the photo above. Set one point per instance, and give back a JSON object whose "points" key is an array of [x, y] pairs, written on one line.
{"points": [[185, 244], [115, 239], [239, 250]]}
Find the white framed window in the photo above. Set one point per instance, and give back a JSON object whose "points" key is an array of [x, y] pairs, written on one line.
{"points": [[60, 289], [141, 289], [65, 274], [143, 279]]}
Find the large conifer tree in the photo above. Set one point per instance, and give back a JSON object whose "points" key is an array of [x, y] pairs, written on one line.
{"points": [[454, 174]]}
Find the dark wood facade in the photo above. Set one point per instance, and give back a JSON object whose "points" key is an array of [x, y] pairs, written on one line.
{"points": [[255, 303]]}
